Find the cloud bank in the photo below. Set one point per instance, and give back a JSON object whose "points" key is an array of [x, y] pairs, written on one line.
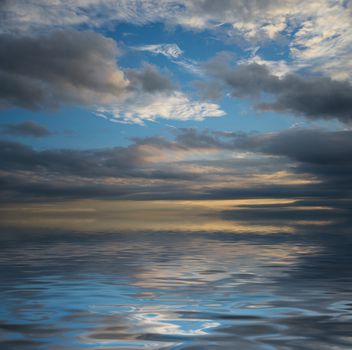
{"points": [[306, 163], [312, 97]]}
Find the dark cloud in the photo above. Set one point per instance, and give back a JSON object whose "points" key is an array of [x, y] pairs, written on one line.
{"points": [[206, 90], [68, 67], [312, 163], [325, 155], [193, 138], [28, 187], [131, 161], [313, 97], [303, 145], [62, 67], [27, 173], [27, 128], [149, 80], [117, 161]]}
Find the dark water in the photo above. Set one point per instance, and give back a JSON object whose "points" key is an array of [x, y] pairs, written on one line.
{"points": [[167, 290], [240, 289]]}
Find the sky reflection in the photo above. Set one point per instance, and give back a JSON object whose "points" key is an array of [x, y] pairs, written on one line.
{"points": [[176, 290], [237, 216]]}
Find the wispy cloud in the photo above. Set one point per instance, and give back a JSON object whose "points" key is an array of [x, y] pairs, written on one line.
{"points": [[174, 106], [174, 53], [168, 50]]}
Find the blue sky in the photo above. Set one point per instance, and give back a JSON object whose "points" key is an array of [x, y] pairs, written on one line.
{"points": [[174, 86]]}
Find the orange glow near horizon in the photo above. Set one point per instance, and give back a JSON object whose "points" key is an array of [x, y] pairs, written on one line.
{"points": [[158, 215]]}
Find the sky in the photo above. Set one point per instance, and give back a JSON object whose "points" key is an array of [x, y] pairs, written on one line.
{"points": [[176, 100]]}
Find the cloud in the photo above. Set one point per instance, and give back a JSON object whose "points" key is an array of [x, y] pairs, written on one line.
{"points": [[148, 79], [304, 163], [313, 97], [141, 169], [278, 68], [36, 15], [84, 71], [69, 67], [325, 155], [174, 53], [168, 50], [97, 163], [303, 145], [317, 34], [62, 67], [135, 161], [175, 106], [27, 128]]}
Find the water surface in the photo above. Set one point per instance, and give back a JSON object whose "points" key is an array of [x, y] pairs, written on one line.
{"points": [[164, 289]]}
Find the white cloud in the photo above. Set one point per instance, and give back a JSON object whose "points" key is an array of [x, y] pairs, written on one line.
{"points": [[278, 68], [324, 40], [318, 32], [190, 66], [174, 53], [175, 106], [36, 14], [168, 50]]}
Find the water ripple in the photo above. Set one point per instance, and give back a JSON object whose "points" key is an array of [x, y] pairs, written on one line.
{"points": [[175, 291]]}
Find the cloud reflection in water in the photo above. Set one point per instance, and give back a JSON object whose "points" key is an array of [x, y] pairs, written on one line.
{"points": [[173, 289]]}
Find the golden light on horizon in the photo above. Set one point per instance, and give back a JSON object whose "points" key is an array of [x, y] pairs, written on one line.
{"points": [[158, 215]]}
